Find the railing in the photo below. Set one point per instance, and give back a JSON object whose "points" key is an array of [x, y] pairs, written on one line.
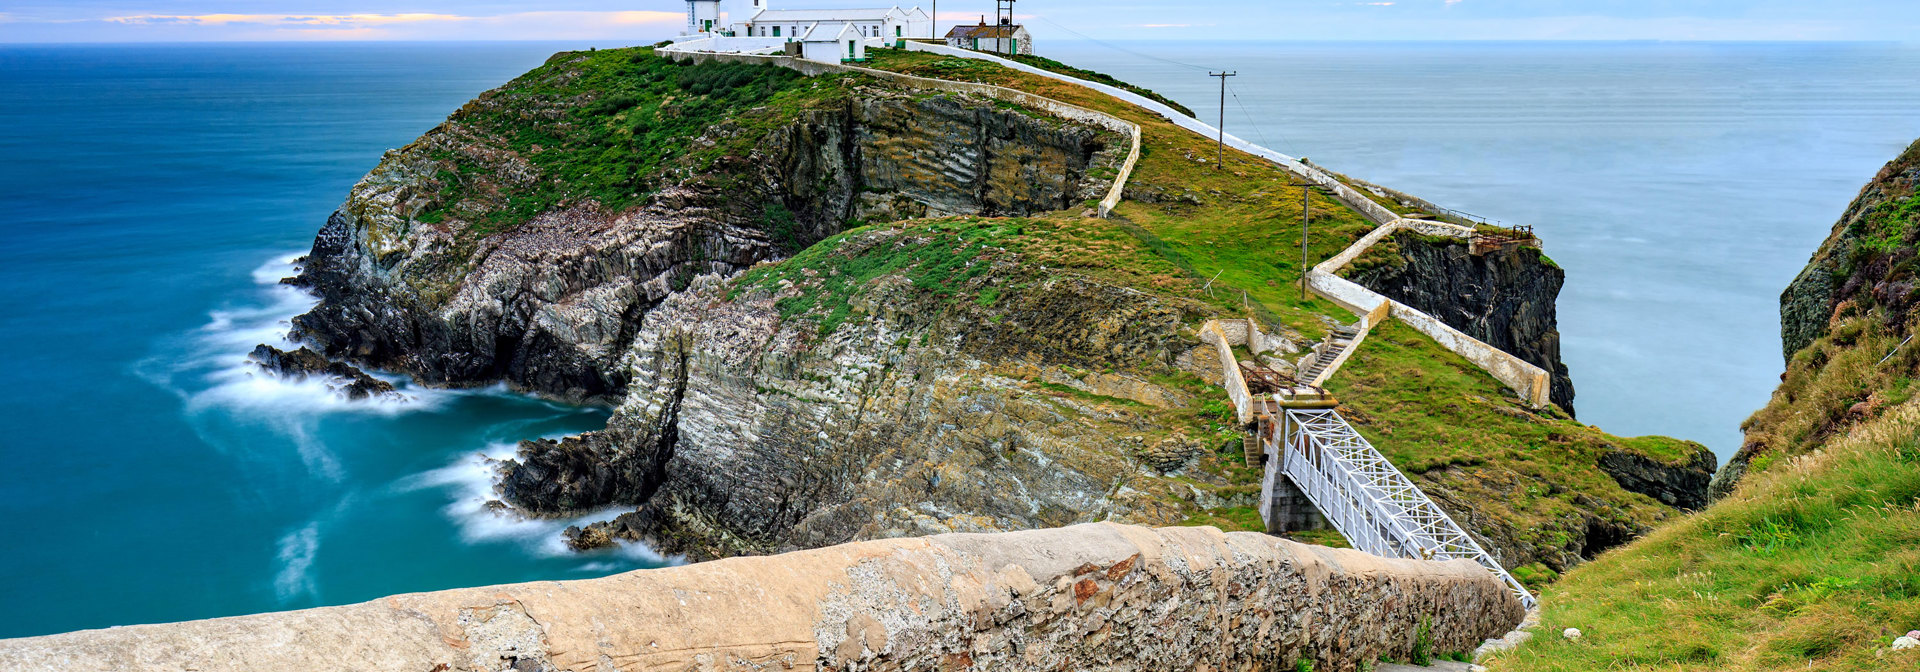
{"points": [[1365, 497]]}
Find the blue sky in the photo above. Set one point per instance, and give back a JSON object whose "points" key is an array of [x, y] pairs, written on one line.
{"points": [[648, 20]]}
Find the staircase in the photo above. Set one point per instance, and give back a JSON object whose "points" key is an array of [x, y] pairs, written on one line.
{"points": [[1329, 352], [1362, 495]]}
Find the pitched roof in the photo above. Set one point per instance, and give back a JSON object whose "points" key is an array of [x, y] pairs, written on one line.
{"points": [[798, 15], [984, 31]]}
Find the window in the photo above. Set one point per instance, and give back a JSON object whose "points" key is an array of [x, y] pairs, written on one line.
{"points": [[896, 32], [776, 31]]}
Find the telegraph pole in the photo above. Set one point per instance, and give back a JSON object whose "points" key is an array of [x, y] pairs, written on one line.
{"points": [[1306, 214], [1003, 13], [1220, 147]]}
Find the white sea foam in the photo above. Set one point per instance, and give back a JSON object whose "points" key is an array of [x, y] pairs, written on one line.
{"points": [[470, 482], [297, 551]]}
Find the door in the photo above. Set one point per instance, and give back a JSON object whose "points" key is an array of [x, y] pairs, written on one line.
{"points": [[849, 51]]}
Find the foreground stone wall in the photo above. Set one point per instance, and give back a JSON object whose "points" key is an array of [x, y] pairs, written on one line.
{"points": [[1098, 596]]}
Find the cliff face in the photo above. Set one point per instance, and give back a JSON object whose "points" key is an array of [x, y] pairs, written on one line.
{"points": [[1844, 324], [1505, 297], [1865, 262], [746, 431], [974, 392], [428, 269]]}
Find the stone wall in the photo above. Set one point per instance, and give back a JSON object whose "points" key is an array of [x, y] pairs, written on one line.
{"points": [[1098, 596]]}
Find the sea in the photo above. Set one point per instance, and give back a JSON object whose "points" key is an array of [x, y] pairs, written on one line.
{"points": [[153, 196]]}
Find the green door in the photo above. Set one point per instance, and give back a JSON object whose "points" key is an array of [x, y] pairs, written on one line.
{"points": [[1013, 46], [849, 51]]}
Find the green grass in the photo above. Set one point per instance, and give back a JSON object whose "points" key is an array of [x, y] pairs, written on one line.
{"points": [[607, 127], [1814, 564], [1051, 65]]}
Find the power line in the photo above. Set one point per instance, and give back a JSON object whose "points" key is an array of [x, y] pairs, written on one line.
{"points": [[1116, 47]]}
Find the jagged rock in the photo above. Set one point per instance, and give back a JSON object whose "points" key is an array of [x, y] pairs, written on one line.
{"points": [[1683, 486], [1505, 298], [592, 537], [348, 380], [1171, 454]]}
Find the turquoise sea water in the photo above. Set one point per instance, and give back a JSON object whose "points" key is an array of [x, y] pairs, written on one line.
{"points": [[151, 196]]}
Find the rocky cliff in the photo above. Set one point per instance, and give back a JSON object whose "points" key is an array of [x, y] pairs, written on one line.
{"points": [[827, 310], [1104, 597], [1504, 297], [523, 239], [1844, 325]]}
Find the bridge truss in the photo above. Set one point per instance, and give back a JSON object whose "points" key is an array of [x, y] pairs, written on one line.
{"points": [[1364, 496]]}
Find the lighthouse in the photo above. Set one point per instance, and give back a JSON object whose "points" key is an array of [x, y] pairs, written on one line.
{"points": [[703, 16]]}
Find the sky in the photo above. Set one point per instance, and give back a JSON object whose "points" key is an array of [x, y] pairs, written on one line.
{"points": [[641, 21]]}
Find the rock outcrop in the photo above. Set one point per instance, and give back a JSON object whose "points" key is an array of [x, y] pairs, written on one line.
{"points": [[1090, 597], [345, 379], [550, 304], [1866, 261], [746, 433], [1844, 324], [1505, 297]]}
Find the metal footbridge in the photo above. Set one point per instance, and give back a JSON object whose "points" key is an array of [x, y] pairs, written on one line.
{"points": [[1358, 491]]}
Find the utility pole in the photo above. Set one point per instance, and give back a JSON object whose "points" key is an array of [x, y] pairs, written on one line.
{"points": [[1220, 147], [1306, 214], [1003, 15], [934, 32]]}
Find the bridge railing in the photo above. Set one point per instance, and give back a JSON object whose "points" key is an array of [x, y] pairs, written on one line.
{"points": [[1365, 497]]}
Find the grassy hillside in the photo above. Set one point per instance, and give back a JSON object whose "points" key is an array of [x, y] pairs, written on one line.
{"points": [[1228, 236], [1811, 564], [1812, 559]]}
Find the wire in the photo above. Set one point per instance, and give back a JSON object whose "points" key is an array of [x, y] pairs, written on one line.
{"points": [[1116, 47], [1256, 125]]}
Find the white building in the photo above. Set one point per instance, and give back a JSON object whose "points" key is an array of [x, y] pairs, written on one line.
{"points": [[889, 24], [821, 42], [704, 16], [996, 39]]}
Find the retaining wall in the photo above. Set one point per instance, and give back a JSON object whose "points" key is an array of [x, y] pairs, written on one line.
{"points": [[1531, 382], [1056, 108], [1089, 597], [1236, 384]]}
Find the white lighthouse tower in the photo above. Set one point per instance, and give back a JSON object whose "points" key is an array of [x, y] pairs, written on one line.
{"points": [[703, 16]]}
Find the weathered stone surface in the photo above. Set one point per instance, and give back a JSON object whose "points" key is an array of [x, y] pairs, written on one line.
{"points": [[1505, 298], [1089, 597], [345, 379]]}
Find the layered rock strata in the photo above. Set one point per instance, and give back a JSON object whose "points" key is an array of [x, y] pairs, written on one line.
{"points": [[1089, 597]]}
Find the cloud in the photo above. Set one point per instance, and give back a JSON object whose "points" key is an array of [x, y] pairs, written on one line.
{"points": [[410, 26], [1378, 4], [1166, 25], [300, 20]]}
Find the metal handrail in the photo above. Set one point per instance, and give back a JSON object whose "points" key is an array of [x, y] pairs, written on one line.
{"points": [[1368, 500]]}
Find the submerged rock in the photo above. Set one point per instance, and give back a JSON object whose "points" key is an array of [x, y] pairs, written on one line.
{"points": [[345, 379]]}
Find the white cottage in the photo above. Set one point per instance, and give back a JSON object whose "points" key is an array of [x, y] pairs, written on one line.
{"points": [[997, 39], [821, 42]]}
